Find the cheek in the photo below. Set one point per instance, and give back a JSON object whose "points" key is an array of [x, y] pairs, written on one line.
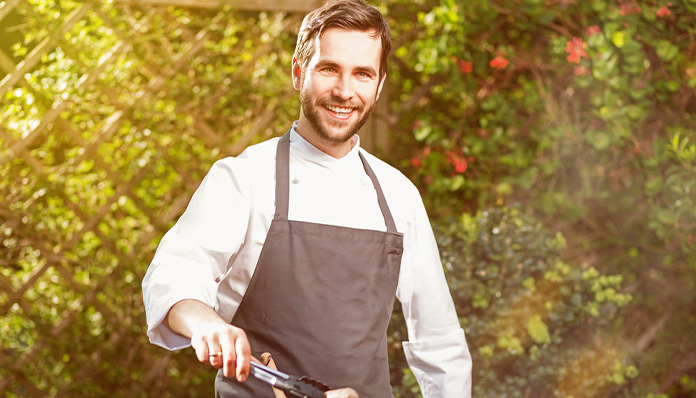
{"points": [[308, 86], [319, 86], [368, 94]]}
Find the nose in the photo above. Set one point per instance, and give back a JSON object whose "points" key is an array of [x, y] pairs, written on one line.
{"points": [[343, 87]]}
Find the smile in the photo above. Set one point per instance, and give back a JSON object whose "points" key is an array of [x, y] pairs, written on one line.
{"points": [[340, 111]]}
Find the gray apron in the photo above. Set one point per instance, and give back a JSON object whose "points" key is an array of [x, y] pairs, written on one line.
{"points": [[320, 299]]}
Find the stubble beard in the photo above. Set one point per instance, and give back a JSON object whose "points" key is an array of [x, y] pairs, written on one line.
{"points": [[311, 112]]}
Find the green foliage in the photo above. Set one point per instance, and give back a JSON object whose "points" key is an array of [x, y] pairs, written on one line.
{"points": [[101, 149], [529, 316], [583, 112], [532, 312]]}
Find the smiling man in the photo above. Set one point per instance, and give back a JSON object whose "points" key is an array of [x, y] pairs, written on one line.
{"points": [[337, 92], [299, 246]]}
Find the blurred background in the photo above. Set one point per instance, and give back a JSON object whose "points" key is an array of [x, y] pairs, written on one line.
{"points": [[553, 142]]}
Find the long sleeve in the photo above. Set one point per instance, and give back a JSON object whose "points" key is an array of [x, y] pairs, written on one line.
{"points": [[194, 255], [437, 351]]}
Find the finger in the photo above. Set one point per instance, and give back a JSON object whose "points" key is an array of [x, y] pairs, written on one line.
{"points": [[215, 353], [201, 349], [229, 357], [216, 357], [243, 350], [342, 393]]}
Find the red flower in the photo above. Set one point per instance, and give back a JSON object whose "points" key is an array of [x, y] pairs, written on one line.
{"points": [[575, 50], [416, 162], [663, 12], [499, 62], [580, 70], [460, 164], [627, 9], [464, 66], [593, 30]]}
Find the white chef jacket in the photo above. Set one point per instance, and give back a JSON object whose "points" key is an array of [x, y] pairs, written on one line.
{"points": [[219, 238]]}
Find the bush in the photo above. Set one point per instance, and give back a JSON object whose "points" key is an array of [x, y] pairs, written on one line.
{"points": [[530, 317]]}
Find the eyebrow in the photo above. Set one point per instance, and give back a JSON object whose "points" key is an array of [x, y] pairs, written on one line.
{"points": [[327, 62]]}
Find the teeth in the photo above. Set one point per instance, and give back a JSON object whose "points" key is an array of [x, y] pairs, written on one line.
{"points": [[338, 109]]}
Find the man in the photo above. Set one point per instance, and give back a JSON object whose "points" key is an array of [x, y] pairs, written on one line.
{"points": [[298, 246]]}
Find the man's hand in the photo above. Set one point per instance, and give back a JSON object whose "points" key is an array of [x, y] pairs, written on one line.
{"points": [[341, 393], [223, 346], [215, 341]]}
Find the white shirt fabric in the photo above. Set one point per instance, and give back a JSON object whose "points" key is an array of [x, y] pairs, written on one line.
{"points": [[219, 238]]}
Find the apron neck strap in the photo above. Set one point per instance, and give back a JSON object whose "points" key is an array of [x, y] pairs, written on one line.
{"points": [[388, 219], [282, 188]]}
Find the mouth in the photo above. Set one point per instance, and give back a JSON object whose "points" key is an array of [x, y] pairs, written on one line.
{"points": [[339, 112]]}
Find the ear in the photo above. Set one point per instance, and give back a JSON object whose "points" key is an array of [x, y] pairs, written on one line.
{"points": [[296, 74], [381, 84]]}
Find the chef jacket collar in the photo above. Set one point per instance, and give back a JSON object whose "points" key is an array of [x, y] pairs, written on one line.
{"points": [[310, 153]]}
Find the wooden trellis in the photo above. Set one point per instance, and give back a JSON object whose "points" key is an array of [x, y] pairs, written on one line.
{"points": [[255, 5], [108, 121]]}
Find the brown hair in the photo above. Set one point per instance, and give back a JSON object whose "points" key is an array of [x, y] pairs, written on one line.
{"points": [[344, 14]]}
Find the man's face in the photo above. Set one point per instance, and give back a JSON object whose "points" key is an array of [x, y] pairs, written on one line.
{"points": [[339, 86]]}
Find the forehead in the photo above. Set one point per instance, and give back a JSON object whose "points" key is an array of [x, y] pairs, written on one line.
{"points": [[349, 47]]}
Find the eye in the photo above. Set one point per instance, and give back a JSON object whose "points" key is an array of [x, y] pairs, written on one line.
{"points": [[363, 75]]}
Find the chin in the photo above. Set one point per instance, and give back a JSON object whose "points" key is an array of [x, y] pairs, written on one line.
{"points": [[337, 137], [333, 131]]}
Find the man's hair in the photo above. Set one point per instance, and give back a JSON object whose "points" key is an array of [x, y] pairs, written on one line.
{"points": [[343, 14]]}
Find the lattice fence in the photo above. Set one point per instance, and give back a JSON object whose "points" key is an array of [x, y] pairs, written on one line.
{"points": [[111, 112]]}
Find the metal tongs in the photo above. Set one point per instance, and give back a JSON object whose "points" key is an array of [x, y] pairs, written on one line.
{"points": [[302, 387]]}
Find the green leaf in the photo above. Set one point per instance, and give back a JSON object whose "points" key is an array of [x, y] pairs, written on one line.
{"points": [[600, 140], [666, 50], [653, 186], [538, 330]]}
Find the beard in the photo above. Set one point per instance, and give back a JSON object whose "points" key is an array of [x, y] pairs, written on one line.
{"points": [[336, 131]]}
